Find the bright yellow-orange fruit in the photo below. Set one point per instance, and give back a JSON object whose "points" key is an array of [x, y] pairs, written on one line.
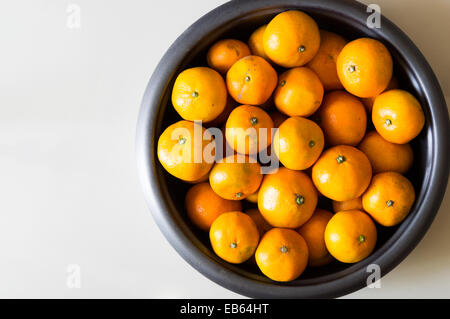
{"points": [[256, 44], [234, 237], [351, 204], [364, 67], [248, 129], [287, 198], [324, 62], [203, 205], [291, 39], [313, 232], [299, 92], [235, 177], [298, 143], [389, 198], [224, 53], [253, 198], [385, 156], [342, 173], [397, 116], [199, 94], [282, 254], [368, 101], [176, 152], [350, 236], [251, 80], [342, 118], [222, 118]]}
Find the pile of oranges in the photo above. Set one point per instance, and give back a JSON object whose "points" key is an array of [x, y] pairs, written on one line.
{"points": [[306, 97]]}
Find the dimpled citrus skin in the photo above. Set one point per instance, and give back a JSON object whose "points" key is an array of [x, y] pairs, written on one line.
{"points": [[282, 254], [224, 53], [199, 94], [350, 236], [246, 127], [342, 173], [255, 42], [385, 156], [176, 152], [324, 62], [235, 177], [389, 198], [203, 205], [397, 116], [299, 92], [298, 143], [364, 67], [350, 204], [343, 119], [291, 39], [234, 237], [313, 233], [251, 80], [287, 198]]}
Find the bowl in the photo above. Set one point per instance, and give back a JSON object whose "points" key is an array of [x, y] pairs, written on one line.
{"points": [[165, 194]]}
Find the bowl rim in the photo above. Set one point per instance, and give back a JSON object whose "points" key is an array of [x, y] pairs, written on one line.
{"points": [[337, 284]]}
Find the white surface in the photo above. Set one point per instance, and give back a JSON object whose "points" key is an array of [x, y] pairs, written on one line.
{"points": [[69, 100]]}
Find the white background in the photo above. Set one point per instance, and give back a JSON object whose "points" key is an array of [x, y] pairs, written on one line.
{"points": [[69, 192]]}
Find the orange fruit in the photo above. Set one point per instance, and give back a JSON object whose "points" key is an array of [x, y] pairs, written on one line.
{"points": [[342, 118], [313, 233], [350, 236], [351, 204], [364, 67], [262, 225], [291, 39], [299, 92], [287, 198], [224, 53], [235, 177], [202, 179], [199, 94], [282, 254], [203, 205], [385, 156], [248, 129], [251, 80], [277, 118], [324, 62], [368, 101], [341, 173], [256, 44], [298, 143], [397, 116], [234, 237], [389, 198], [222, 118], [177, 154], [253, 198]]}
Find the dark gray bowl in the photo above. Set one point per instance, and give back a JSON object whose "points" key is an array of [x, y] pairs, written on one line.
{"points": [[165, 194]]}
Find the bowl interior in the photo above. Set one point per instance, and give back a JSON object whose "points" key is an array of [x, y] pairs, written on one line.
{"points": [[241, 29]]}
